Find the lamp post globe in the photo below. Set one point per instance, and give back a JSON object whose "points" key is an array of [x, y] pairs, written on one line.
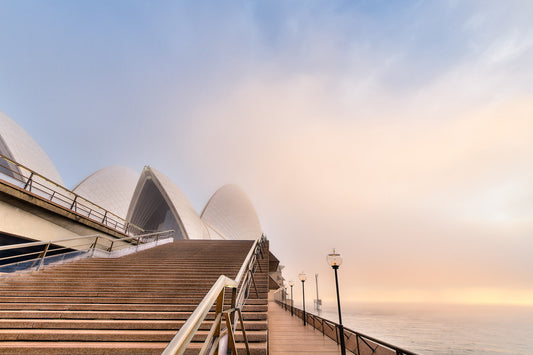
{"points": [[302, 278], [334, 260], [291, 283]]}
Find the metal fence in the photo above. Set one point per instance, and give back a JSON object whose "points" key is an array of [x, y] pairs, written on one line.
{"points": [[357, 343]]}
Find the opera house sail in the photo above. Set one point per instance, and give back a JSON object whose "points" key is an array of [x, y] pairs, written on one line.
{"points": [[229, 214], [158, 204], [17, 145], [111, 187]]}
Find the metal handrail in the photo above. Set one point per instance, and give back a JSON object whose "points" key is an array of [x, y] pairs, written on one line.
{"points": [[92, 243], [355, 348], [64, 197], [244, 278], [56, 241], [187, 331]]}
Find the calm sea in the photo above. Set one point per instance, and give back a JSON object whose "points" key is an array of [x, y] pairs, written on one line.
{"points": [[442, 329]]}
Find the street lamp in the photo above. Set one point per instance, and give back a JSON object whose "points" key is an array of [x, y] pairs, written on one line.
{"points": [[302, 278], [335, 260], [291, 283]]}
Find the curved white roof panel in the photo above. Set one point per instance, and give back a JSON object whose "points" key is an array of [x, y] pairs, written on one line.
{"points": [[230, 214], [110, 188], [18, 145], [159, 204]]}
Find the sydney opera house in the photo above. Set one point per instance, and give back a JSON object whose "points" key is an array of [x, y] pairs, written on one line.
{"points": [[149, 201], [122, 263]]}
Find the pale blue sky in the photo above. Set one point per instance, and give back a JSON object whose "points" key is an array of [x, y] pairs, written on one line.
{"points": [[396, 131]]}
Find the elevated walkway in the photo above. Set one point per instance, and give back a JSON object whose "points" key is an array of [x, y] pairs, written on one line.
{"points": [[129, 305], [34, 208], [287, 335]]}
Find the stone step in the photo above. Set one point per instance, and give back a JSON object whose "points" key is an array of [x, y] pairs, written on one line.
{"points": [[114, 306], [113, 315], [135, 281], [100, 289], [149, 300], [107, 348], [111, 335], [71, 283], [114, 324], [132, 300]]}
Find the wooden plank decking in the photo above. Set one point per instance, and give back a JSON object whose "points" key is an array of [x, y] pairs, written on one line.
{"points": [[287, 335]]}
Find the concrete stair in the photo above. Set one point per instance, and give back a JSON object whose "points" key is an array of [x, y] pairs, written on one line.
{"points": [[130, 305]]}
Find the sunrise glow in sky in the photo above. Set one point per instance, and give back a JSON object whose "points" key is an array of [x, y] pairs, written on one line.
{"points": [[398, 132]]}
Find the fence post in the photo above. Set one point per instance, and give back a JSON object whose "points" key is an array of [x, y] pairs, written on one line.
{"points": [[28, 182], [94, 245], [74, 203], [43, 255]]}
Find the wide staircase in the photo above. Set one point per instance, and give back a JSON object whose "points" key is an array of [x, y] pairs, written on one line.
{"points": [[129, 305]]}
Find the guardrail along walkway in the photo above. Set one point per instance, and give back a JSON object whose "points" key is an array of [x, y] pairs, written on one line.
{"points": [[129, 305], [288, 335]]}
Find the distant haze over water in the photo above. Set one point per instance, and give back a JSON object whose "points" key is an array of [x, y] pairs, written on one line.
{"points": [[440, 328]]}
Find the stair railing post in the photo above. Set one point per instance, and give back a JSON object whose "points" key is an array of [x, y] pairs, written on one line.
{"points": [[111, 246], [218, 310], [253, 283], [94, 245], [231, 335], [43, 255], [243, 331]]}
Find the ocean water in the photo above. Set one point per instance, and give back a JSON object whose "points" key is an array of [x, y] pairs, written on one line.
{"points": [[441, 329]]}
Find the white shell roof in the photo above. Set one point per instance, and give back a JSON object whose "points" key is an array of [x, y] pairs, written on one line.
{"points": [[178, 202], [110, 188], [23, 149], [229, 212]]}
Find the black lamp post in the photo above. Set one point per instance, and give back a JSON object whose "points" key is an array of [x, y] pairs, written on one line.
{"points": [[335, 260], [303, 277], [291, 283]]}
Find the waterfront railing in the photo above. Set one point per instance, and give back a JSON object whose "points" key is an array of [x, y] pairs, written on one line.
{"points": [[356, 342], [37, 185]]}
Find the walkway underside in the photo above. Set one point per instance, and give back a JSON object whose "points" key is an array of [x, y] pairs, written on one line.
{"points": [[129, 305]]}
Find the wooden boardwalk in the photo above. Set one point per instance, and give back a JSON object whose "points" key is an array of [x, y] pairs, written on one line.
{"points": [[287, 335]]}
